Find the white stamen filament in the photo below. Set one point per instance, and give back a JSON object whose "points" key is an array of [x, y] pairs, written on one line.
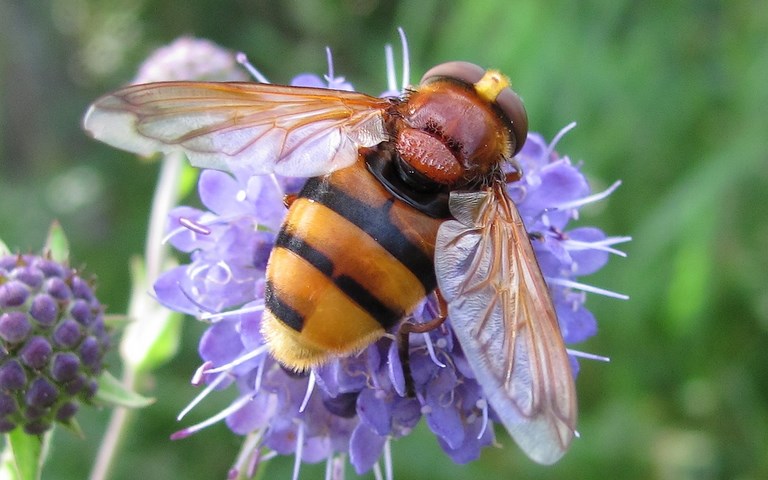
{"points": [[388, 460], [586, 288], [377, 472], [232, 408], [310, 389], [334, 467], [199, 398], [277, 185], [602, 245], [242, 59], [196, 269], [215, 316], [299, 451], [482, 404], [329, 467], [239, 360], [406, 59], [269, 455], [590, 198], [588, 356], [259, 374], [390, 62], [227, 270], [558, 137], [250, 457], [330, 78], [431, 350]]}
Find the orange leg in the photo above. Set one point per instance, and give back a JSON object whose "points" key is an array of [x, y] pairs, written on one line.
{"points": [[289, 199], [516, 174]]}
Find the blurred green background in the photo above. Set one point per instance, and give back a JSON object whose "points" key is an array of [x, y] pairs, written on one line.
{"points": [[670, 97]]}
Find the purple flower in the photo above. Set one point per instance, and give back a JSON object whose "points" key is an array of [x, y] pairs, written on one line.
{"points": [[353, 406], [52, 342], [190, 58]]}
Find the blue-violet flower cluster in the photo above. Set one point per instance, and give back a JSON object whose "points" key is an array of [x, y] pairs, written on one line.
{"points": [[354, 406]]}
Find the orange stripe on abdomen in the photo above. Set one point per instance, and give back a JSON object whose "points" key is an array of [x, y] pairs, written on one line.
{"points": [[349, 263]]}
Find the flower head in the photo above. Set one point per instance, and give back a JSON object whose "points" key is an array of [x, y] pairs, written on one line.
{"points": [[52, 342], [353, 406], [190, 58]]}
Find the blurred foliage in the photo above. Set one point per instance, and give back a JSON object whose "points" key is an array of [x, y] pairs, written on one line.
{"points": [[669, 96]]}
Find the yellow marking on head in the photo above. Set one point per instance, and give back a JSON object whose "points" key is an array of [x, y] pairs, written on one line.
{"points": [[490, 86]]}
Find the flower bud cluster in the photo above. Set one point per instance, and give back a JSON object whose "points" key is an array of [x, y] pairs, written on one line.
{"points": [[52, 342]]}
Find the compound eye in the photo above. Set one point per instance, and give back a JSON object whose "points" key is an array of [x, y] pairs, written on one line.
{"points": [[509, 103], [462, 71]]}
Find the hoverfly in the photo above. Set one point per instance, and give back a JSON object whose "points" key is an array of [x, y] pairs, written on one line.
{"points": [[407, 196]]}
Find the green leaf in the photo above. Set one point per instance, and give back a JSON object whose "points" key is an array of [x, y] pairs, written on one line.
{"points": [[188, 180], [4, 250], [73, 426], [113, 392], [24, 456], [57, 243]]}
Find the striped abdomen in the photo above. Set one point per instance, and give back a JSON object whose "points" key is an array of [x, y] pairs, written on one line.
{"points": [[348, 264]]}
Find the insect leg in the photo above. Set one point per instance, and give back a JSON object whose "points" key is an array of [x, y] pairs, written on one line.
{"points": [[288, 199], [409, 327], [515, 174]]}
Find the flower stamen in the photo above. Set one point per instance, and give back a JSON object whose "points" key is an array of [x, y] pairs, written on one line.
{"points": [[586, 288], [589, 356], [299, 451], [217, 316], [602, 245], [199, 398], [239, 360], [390, 62], [310, 389], [431, 350], [406, 59], [242, 59], [558, 137], [388, 460], [232, 408], [194, 226], [199, 374], [482, 404], [590, 198], [329, 77]]}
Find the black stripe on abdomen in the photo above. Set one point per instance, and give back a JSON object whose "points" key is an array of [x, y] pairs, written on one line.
{"points": [[358, 293], [280, 309], [375, 221]]}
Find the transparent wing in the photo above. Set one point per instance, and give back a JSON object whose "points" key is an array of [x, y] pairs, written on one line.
{"points": [[500, 308], [260, 128]]}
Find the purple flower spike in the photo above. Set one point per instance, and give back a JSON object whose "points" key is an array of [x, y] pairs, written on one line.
{"points": [[352, 407]]}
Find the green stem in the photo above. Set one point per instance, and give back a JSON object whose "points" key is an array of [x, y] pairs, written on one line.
{"points": [[155, 255]]}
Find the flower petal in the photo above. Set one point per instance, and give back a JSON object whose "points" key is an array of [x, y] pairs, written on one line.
{"points": [[375, 410], [365, 448]]}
